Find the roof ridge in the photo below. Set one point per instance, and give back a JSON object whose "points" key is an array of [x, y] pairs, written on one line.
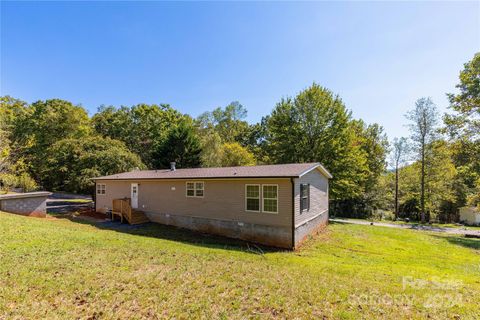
{"points": [[284, 170]]}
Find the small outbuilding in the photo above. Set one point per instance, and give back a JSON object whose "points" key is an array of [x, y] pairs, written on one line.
{"points": [[277, 205], [27, 204], [470, 215]]}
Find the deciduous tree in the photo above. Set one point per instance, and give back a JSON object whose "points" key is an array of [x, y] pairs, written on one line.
{"points": [[424, 119], [463, 126], [71, 163], [4, 150], [315, 126], [399, 157], [36, 127], [233, 154], [212, 151], [141, 127], [466, 103], [229, 122], [374, 145]]}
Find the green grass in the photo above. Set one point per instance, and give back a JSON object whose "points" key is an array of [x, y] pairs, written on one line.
{"points": [[66, 269], [6, 192], [77, 200]]}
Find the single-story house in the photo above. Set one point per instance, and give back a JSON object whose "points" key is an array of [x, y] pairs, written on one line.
{"points": [[277, 205]]}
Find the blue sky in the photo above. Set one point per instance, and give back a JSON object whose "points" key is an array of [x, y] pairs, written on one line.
{"points": [[378, 56]]}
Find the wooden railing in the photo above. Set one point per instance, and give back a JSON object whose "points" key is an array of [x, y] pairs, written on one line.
{"points": [[122, 208]]}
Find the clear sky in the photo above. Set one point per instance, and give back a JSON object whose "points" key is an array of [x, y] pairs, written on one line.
{"points": [[378, 56]]}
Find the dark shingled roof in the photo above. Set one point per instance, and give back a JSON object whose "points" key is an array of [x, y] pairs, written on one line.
{"points": [[266, 171]]}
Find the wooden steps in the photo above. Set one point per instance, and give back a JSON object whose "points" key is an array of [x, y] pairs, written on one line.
{"points": [[137, 217], [123, 209]]}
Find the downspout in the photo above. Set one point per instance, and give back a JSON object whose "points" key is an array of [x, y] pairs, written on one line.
{"points": [[293, 212]]}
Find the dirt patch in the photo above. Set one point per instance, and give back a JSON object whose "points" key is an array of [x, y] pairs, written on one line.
{"points": [[86, 214], [38, 214], [321, 231], [93, 214], [304, 248]]}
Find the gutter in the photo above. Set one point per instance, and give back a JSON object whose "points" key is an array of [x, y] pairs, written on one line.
{"points": [[292, 180]]}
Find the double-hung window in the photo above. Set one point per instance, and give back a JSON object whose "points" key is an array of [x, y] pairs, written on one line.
{"points": [[304, 197], [261, 198], [101, 188], [195, 189], [252, 197], [270, 198]]}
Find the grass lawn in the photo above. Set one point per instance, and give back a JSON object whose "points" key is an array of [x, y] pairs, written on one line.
{"points": [[76, 200], [59, 268]]}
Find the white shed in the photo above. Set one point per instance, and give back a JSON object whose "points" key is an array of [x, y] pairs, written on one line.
{"points": [[470, 215]]}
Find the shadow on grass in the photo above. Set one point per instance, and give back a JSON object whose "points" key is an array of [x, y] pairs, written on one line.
{"points": [[186, 236], [458, 240], [331, 222]]}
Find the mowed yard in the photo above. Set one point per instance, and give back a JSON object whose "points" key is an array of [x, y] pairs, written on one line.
{"points": [[63, 269]]}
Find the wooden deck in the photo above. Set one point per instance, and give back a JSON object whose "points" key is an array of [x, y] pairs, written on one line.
{"points": [[123, 209]]}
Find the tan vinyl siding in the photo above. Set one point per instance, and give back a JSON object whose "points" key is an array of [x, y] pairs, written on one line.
{"points": [[113, 190], [222, 200], [318, 195]]}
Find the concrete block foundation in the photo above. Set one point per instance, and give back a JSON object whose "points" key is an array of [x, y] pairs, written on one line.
{"points": [[310, 227], [27, 204], [276, 236]]}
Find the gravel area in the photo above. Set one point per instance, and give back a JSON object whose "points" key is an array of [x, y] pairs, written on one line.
{"points": [[410, 226]]}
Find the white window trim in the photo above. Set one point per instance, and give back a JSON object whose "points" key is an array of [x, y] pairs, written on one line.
{"points": [[259, 196], [263, 199], [194, 189], [99, 189], [307, 197]]}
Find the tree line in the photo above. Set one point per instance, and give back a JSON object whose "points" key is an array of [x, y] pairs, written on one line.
{"points": [[437, 169], [56, 145]]}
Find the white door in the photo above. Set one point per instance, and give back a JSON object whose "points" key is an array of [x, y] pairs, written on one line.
{"points": [[134, 195]]}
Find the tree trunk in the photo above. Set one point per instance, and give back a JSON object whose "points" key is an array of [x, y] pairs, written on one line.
{"points": [[396, 192], [422, 194]]}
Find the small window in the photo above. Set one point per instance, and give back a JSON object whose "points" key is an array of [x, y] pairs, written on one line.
{"points": [[252, 197], [304, 197], [195, 189], [270, 198], [190, 189], [198, 189], [101, 188]]}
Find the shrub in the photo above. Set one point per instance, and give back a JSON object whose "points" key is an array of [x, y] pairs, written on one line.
{"points": [[474, 199], [7, 181], [26, 182]]}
